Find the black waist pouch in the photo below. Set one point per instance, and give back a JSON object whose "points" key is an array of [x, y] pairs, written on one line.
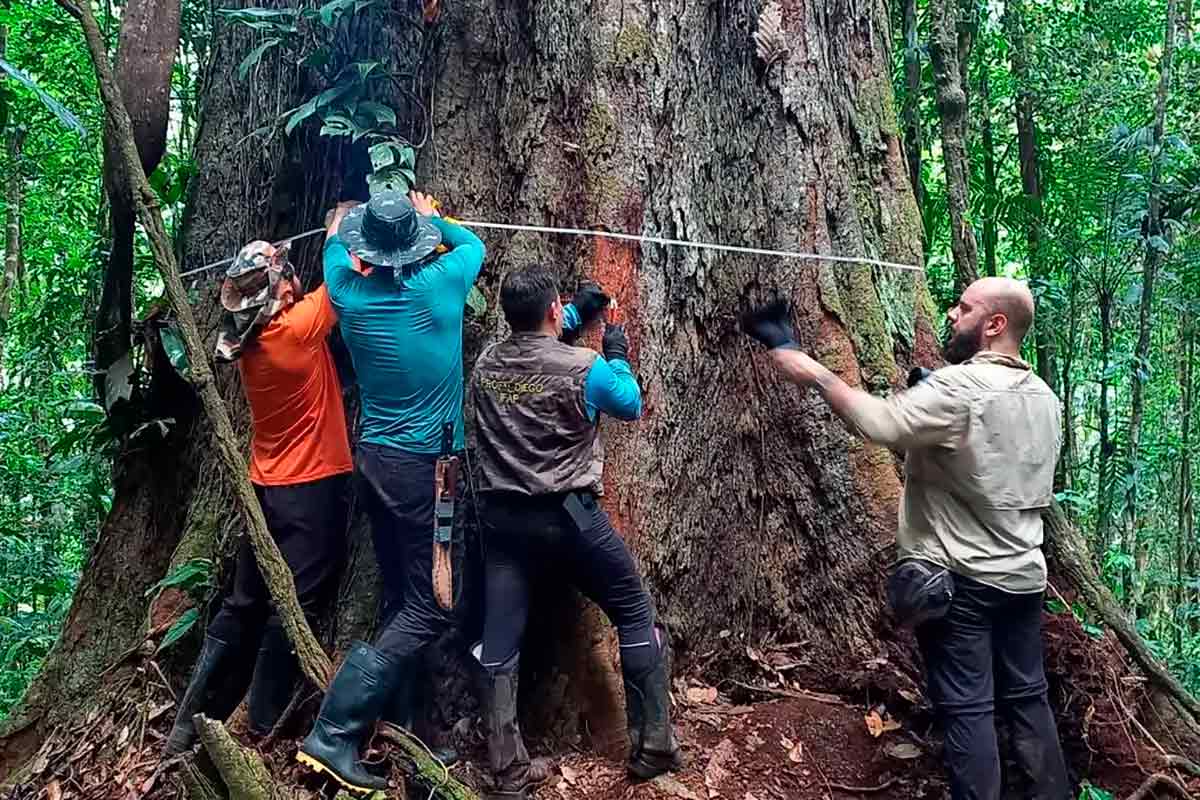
{"points": [[919, 591]]}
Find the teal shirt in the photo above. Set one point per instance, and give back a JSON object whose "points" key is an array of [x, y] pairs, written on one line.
{"points": [[406, 342]]}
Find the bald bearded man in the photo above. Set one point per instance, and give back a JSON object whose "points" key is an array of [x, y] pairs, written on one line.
{"points": [[982, 438]]}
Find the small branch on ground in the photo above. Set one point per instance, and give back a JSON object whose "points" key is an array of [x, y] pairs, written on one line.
{"points": [[1157, 781], [431, 771], [243, 771], [799, 694], [278, 577], [1184, 764], [842, 787]]}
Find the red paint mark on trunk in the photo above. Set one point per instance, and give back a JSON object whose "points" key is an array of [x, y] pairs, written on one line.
{"points": [[616, 266]]}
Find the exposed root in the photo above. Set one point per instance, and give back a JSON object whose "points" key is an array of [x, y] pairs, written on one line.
{"points": [[1156, 781], [430, 771], [243, 771]]}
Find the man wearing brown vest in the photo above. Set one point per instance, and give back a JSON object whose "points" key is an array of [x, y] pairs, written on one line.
{"points": [[537, 402]]}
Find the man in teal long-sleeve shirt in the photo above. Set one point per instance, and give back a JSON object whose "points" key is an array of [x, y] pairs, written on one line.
{"points": [[400, 304]]}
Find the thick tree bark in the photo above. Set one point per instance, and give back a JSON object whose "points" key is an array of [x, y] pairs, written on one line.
{"points": [[952, 110], [148, 41], [1068, 458], [913, 139], [1105, 301], [1156, 238]]}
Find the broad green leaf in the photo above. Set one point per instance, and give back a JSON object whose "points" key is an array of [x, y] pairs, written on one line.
{"points": [[477, 302], [172, 342], [381, 113], [180, 628], [254, 56], [64, 114], [300, 114], [189, 574]]}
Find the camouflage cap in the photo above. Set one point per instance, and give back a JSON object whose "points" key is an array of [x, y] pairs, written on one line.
{"points": [[258, 285]]}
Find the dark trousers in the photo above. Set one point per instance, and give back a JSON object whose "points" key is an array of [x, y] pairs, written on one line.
{"points": [[397, 490], [985, 656], [526, 538], [308, 522]]}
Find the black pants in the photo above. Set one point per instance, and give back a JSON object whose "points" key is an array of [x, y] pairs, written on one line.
{"points": [[308, 522], [985, 656], [397, 489], [525, 538]]}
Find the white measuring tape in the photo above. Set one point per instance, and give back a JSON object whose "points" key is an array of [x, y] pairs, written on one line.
{"points": [[629, 237]]}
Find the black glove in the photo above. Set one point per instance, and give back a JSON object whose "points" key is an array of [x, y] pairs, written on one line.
{"points": [[590, 301], [918, 374], [616, 343], [771, 324]]}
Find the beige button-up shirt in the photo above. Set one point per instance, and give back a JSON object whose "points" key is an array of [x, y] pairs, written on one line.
{"points": [[982, 441]]}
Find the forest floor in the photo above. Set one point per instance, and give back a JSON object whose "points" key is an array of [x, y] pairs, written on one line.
{"points": [[744, 742]]}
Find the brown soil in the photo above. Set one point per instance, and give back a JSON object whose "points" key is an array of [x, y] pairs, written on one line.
{"points": [[785, 749]]}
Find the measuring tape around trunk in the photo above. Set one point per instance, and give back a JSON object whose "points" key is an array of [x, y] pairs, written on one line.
{"points": [[626, 237]]}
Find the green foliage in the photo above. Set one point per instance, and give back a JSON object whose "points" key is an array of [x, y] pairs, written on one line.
{"points": [[351, 106], [1090, 792]]}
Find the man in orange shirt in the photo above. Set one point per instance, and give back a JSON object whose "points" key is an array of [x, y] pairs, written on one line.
{"points": [[300, 465]]}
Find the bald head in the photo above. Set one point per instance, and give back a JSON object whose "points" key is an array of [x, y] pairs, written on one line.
{"points": [[992, 314], [1009, 297]]}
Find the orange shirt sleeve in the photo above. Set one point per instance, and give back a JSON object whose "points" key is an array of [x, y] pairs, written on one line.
{"points": [[313, 317]]}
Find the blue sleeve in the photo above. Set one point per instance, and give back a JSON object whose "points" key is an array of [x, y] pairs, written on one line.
{"points": [[612, 388], [465, 259], [571, 318], [339, 269]]}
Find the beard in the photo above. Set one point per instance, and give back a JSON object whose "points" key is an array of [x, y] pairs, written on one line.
{"points": [[961, 346]]}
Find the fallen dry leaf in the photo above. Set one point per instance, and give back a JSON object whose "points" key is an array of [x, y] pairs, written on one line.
{"points": [[53, 790], [674, 788], [796, 754], [877, 726], [569, 775], [905, 751], [702, 695], [716, 773]]}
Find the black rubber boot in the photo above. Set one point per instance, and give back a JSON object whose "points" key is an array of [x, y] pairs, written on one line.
{"points": [[654, 749], [216, 687], [406, 708], [513, 774], [354, 702], [274, 677]]}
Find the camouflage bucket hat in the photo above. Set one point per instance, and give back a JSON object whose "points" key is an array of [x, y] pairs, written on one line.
{"points": [[388, 232], [258, 285]]}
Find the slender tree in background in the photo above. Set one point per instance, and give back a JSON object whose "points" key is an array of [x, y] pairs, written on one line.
{"points": [[1031, 187], [991, 194], [952, 111], [1183, 540], [913, 139], [14, 137], [1156, 244]]}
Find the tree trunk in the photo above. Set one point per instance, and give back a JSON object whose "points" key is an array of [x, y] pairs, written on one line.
{"points": [[991, 196], [913, 139], [1031, 186], [148, 40], [755, 516], [952, 109], [1156, 244], [1104, 302], [1183, 541], [1067, 459]]}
